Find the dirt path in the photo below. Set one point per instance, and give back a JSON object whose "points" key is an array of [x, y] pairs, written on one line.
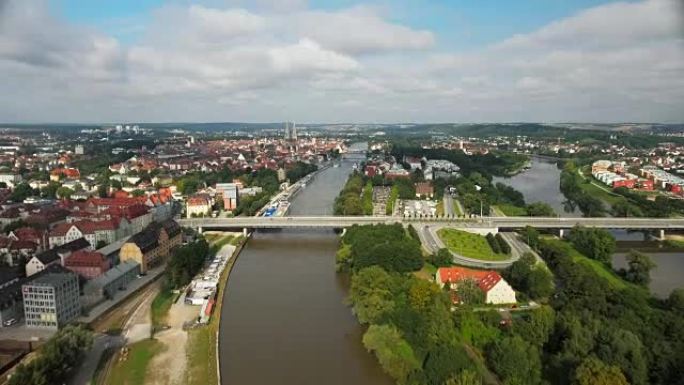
{"points": [[169, 367]]}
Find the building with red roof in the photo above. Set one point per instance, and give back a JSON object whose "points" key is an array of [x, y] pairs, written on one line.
{"points": [[86, 263], [495, 288]]}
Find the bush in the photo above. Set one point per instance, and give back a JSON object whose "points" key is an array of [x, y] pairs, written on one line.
{"points": [[493, 243], [503, 245]]}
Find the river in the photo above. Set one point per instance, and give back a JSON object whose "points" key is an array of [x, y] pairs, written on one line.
{"points": [[541, 184], [283, 318]]}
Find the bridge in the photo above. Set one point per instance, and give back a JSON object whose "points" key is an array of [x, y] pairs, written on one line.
{"points": [[487, 222]]}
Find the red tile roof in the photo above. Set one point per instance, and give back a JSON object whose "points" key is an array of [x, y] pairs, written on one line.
{"points": [[486, 279], [85, 258]]}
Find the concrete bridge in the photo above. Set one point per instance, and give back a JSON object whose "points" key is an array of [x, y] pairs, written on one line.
{"points": [[661, 224]]}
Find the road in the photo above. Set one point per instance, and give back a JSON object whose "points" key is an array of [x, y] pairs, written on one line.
{"points": [[487, 222], [432, 243]]}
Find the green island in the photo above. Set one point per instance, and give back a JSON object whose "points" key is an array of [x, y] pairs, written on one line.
{"points": [[420, 337], [469, 245]]}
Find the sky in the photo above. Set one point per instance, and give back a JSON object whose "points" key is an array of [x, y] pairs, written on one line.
{"points": [[334, 61]]}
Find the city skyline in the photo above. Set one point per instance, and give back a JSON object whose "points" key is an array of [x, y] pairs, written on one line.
{"points": [[339, 61]]}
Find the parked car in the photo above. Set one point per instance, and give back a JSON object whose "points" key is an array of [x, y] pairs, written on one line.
{"points": [[10, 322]]}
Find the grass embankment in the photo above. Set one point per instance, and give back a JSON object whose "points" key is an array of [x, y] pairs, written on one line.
{"points": [[510, 210], [599, 268], [595, 189], [392, 200], [427, 272], [469, 245], [201, 344], [440, 208], [131, 368], [160, 307]]}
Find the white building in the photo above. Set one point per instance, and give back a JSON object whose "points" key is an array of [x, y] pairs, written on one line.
{"points": [[497, 291]]}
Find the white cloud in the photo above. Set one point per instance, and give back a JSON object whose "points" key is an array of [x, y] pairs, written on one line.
{"points": [[232, 60]]}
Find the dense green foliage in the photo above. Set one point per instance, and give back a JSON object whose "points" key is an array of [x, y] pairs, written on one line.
{"points": [[395, 354], [22, 191], [570, 181], [300, 170], [410, 326], [640, 266], [530, 278], [348, 202], [442, 258], [386, 246], [593, 242], [186, 261], [620, 325], [60, 354], [515, 360], [492, 163], [368, 199]]}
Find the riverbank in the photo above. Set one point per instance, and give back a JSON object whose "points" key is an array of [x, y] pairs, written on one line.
{"points": [[203, 361]]}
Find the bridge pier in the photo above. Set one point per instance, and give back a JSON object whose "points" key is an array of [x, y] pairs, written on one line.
{"points": [[199, 229], [561, 233], [244, 232], [661, 235]]}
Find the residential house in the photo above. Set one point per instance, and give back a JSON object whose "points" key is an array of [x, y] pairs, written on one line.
{"points": [[198, 205], [152, 246], [86, 263], [54, 256]]}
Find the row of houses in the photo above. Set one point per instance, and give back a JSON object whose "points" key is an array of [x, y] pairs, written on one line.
{"points": [[48, 294], [614, 175]]}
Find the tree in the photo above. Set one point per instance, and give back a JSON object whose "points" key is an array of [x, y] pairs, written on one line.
{"points": [[676, 300], [21, 192], [540, 209], [55, 359], [593, 242], [532, 279], [395, 354], [442, 258], [465, 377], [640, 266], [536, 326], [503, 245], [137, 193], [623, 208], [624, 349], [370, 294], [469, 292], [493, 243], [531, 236], [539, 283], [50, 190], [515, 361], [593, 371], [64, 192]]}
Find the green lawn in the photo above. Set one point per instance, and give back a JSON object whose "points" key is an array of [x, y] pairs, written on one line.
{"points": [[133, 369], [511, 210], [469, 245], [599, 268]]}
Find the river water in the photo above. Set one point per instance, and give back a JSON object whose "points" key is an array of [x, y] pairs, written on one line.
{"points": [[541, 184], [283, 318]]}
